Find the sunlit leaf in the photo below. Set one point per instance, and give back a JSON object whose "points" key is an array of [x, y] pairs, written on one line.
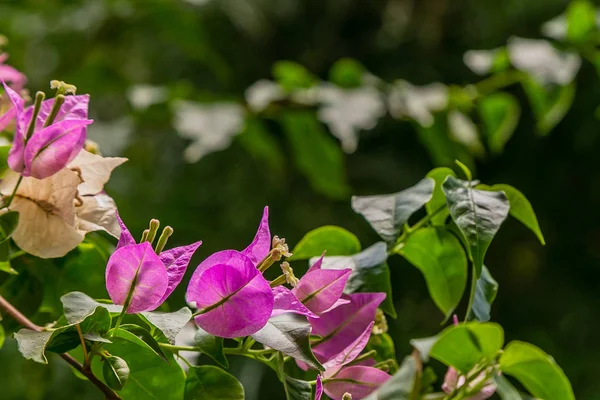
{"points": [[212, 383], [463, 346], [520, 208], [291, 75], [334, 240], [115, 372], [212, 346], [536, 370], [347, 73], [581, 20], [389, 212], [438, 199], [289, 333], [485, 293], [439, 255], [478, 214]]}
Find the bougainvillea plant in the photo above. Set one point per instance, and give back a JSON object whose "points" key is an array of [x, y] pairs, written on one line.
{"points": [[323, 333]]}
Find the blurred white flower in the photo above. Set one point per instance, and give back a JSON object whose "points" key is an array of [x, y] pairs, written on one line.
{"points": [[417, 102], [210, 126], [556, 28], [262, 93], [542, 61], [347, 111], [464, 130], [480, 61], [143, 96], [112, 136]]}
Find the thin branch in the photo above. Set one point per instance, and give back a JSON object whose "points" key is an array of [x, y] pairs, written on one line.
{"points": [[24, 321]]}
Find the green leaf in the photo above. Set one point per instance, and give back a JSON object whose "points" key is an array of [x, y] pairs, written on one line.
{"points": [[292, 76], [208, 382], [536, 370], [289, 333], [316, 154], [77, 306], [387, 213], [4, 159], [500, 114], [33, 345], [438, 198], [439, 255], [150, 378], [212, 346], [2, 336], [334, 240], [478, 215], [424, 346], [486, 289], [506, 390], [463, 346], [549, 103], [347, 73], [520, 208], [370, 273], [296, 389], [5, 265], [170, 324], [115, 372], [8, 224], [139, 336], [581, 21], [262, 145], [401, 385]]}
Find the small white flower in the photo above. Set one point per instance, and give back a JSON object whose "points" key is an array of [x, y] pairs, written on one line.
{"points": [[417, 102], [262, 93]]}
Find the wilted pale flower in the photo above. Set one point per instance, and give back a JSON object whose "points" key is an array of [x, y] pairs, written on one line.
{"points": [[348, 111], [232, 296], [210, 126], [453, 381], [45, 143], [157, 274], [55, 213], [320, 289], [417, 102], [542, 61]]}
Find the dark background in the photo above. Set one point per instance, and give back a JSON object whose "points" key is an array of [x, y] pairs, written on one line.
{"points": [[214, 50]]}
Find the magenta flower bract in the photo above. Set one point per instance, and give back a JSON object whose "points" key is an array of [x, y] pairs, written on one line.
{"points": [[232, 296], [139, 263], [286, 302], [169, 266], [50, 148], [320, 289], [359, 381], [261, 245], [343, 329], [11, 74]]}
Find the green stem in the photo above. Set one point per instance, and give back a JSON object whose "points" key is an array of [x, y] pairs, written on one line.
{"points": [[472, 294], [58, 102], [410, 230], [498, 81], [14, 192]]}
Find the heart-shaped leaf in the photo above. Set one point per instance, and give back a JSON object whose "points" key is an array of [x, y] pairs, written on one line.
{"points": [[439, 255], [438, 198], [477, 213], [389, 212], [212, 346], [139, 336], [208, 382], [334, 240], [485, 293], [115, 371], [500, 115], [170, 324]]}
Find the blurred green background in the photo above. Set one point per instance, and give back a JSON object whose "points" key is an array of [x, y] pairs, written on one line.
{"points": [[212, 50]]}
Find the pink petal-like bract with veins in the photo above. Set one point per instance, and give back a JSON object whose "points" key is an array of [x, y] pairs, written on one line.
{"points": [[125, 238], [151, 282], [319, 289], [261, 245], [235, 298], [15, 155], [318, 388], [357, 380], [52, 148], [286, 302], [176, 261], [340, 327], [351, 351]]}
